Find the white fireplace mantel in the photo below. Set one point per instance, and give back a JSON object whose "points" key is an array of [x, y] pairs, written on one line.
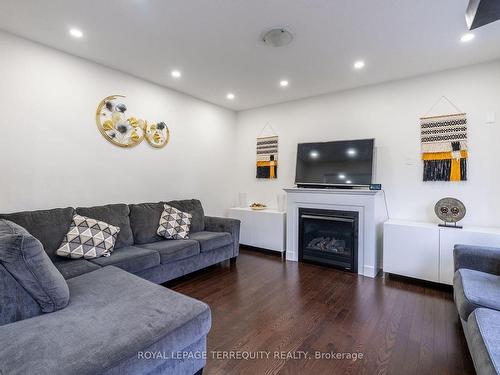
{"points": [[371, 210]]}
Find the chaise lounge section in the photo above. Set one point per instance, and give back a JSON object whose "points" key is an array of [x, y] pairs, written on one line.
{"points": [[117, 319]]}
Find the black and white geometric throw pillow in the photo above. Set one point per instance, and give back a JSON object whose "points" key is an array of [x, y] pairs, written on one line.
{"points": [[88, 238], [174, 224]]}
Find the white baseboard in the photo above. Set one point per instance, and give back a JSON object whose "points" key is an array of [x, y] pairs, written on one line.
{"points": [[370, 271]]}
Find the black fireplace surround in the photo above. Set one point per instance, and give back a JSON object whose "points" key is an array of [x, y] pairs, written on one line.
{"points": [[329, 237]]}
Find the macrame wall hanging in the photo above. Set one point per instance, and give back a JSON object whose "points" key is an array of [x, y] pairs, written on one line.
{"points": [[444, 145], [267, 155]]}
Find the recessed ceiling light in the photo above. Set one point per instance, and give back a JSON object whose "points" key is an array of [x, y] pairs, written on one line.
{"points": [[176, 74], [76, 33], [342, 176], [467, 37], [359, 65], [348, 182], [284, 83], [230, 96]]}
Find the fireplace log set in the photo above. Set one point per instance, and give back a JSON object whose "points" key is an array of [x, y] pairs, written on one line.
{"points": [[327, 244]]}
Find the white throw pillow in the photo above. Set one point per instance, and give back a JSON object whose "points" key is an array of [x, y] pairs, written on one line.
{"points": [[174, 224], [88, 238]]}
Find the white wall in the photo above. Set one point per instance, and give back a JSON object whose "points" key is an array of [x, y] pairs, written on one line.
{"points": [[389, 113], [52, 154]]}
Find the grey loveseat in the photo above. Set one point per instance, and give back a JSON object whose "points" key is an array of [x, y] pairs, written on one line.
{"points": [[117, 320], [476, 289]]}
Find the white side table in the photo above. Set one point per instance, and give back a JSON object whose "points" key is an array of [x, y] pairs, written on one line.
{"points": [[264, 229]]}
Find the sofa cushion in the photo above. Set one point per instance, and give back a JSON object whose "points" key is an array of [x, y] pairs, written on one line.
{"points": [[132, 259], [172, 250], [211, 240], [23, 257], [48, 226], [483, 327], [70, 268], [114, 214], [473, 289], [115, 314], [144, 219], [193, 207], [88, 238]]}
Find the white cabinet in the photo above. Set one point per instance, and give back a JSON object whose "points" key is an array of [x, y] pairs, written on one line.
{"points": [[425, 250], [264, 229], [411, 250]]}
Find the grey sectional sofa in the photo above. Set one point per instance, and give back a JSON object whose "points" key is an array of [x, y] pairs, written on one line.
{"points": [[117, 320], [476, 290]]}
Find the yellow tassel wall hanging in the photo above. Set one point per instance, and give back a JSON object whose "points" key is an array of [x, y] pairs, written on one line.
{"points": [[267, 157], [444, 147]]}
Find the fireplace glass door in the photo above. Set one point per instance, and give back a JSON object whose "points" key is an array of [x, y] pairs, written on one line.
{"points": [[329, 237]]}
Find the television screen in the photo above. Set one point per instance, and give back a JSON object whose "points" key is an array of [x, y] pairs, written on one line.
{"points": [[340, 163]]}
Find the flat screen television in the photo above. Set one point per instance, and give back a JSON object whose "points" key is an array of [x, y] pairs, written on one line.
{"points": [[335, 164]]}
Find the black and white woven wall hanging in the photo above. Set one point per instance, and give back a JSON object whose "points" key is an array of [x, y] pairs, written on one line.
{"points": [[267, 155], [444, 147]]}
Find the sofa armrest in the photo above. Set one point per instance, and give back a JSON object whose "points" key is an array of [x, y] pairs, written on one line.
{"points": [[224, 224], [15, 302], [479, 258]]}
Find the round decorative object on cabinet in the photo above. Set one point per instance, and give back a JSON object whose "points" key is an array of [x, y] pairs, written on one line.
{"points": [[450, 210]]}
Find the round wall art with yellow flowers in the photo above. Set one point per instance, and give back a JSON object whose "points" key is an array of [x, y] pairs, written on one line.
{"points": [[124, 131]]}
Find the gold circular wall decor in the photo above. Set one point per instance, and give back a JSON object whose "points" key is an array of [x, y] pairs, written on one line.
{"points": [[157, 135], [125, 131], [115, 126]]}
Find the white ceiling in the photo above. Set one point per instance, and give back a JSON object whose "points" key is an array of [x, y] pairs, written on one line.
{"points": [[216, 43]]}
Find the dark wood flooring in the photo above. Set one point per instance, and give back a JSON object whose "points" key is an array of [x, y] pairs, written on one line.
{"points": [[264, 304]]}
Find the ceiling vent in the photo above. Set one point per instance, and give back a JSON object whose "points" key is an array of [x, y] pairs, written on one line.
{"points": [[278, 37]]}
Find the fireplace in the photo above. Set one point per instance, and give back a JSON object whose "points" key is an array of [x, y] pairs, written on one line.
{"points": [[329, 237]]}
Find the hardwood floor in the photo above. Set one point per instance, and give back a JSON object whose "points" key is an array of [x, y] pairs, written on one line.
{"points": [[264, 304]]}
